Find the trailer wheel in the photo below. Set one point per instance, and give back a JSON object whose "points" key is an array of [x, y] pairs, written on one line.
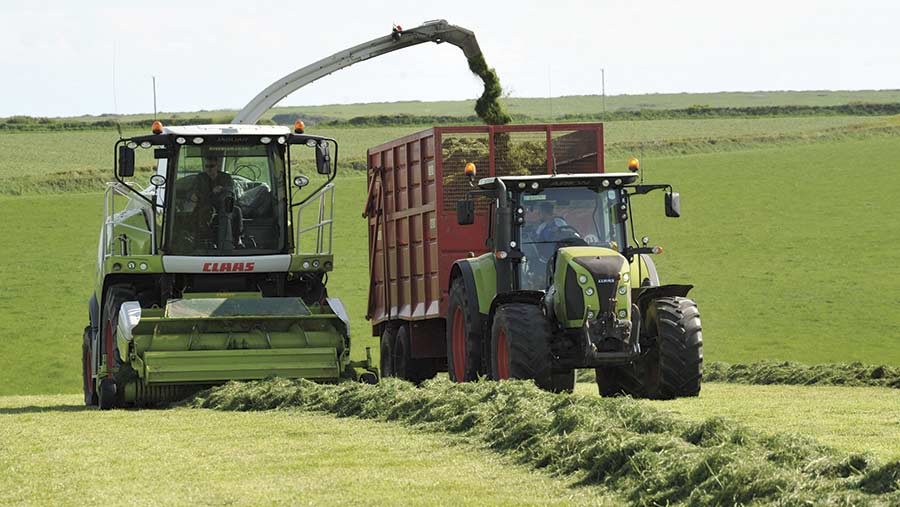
{"points": [[388, 342], [563, 382], [463, 336], [87, 370], [520, 345], [407, 367]]}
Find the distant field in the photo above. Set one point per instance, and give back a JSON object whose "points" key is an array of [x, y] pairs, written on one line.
{"points": [[542, 107], [57, 453], [41, 153]]}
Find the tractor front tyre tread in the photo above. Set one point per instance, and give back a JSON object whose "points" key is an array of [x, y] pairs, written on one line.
{"points": [[527, 340], [563, 382], [680, 343]]}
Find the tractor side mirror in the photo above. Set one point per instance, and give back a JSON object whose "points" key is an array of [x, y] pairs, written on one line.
{"points": [[673, 205], [465, 212], [126, 162], [323, 158]]}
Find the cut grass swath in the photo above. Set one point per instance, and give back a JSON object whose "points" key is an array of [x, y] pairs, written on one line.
{"points": [[651, 458]]}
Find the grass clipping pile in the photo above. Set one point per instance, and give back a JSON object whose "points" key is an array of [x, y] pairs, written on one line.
{"points": [[640, 454], [774, 372]]}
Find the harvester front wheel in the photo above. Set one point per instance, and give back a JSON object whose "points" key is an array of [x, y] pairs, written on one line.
{"points": [[520, 345], [109, 391], [108, 394], [463, 336], [388, 345], [87, 370], [407, 367]]}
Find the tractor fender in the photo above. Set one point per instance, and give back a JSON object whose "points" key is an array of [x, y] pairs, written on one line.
{"points": [[643, 295], [462, 270], [531, 297]]}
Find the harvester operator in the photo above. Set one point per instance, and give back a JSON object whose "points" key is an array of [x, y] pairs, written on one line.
{"points": [[214, 191]]}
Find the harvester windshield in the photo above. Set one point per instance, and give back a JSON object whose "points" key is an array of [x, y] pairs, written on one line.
{"points": [[227, 198], [565, 216]]}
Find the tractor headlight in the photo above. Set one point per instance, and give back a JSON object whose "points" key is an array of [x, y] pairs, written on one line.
{"points": [[589, 291], [625, 277], [623, 289], [623, 314]]}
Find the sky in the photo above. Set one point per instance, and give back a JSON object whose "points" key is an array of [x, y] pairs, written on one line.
{"points": [[64, 58]]}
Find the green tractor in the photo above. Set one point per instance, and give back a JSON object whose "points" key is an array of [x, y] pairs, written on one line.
{"points": [[567, 285], [217, 270]]}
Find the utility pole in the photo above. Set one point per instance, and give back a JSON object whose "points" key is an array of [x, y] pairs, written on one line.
{"points": [[154, 98], [603, 89]]}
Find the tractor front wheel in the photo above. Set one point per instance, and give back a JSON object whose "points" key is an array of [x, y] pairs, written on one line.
{"points": [[520, 345]]}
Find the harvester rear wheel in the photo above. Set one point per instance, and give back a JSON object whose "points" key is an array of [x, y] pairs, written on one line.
{"points": [[520, 345], [407, 367], [388, 345], [87, 370], [463, 336]]}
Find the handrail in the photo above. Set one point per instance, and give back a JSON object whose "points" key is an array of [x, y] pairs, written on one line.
{"points": [[324, 199], [109, 219]]}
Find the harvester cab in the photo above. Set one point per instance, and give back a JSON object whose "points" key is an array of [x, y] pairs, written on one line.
{"points": [[217, 270], [574, 288]]}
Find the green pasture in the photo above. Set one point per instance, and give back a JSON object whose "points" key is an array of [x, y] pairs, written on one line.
{"points": [[541, 106], [56, 452], [791, 251], [851, 419]]}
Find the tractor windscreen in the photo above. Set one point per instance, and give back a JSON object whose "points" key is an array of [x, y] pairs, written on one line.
{"points": [[225, 201], [559, 217]]}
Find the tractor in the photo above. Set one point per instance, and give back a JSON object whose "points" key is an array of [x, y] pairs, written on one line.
{"points": [[566, 285]]}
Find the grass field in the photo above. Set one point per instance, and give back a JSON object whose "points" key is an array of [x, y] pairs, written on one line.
{"points": [[852, 419], [55, 452]]}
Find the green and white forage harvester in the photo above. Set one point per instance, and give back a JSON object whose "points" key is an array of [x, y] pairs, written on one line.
{"points": [[217, 270]]}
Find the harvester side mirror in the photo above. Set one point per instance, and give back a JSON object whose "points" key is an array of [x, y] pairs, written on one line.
{"points": [[323, 158], [126, 162], [673, 205], [465, 212]]}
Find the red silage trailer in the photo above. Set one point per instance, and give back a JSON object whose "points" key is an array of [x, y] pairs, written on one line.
{"points": [[414, 184]]}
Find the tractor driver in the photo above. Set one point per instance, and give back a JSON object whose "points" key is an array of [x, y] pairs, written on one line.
{"points": [[214, 191]]}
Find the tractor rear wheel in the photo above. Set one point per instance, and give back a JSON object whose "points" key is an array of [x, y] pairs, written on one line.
{"points": [[87, 370], [520, 345], [388, 344], [408, 367], [463, 336]]}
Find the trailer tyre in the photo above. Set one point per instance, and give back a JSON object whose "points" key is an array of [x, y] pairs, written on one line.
{"points": [[407, 367], [520, 345], [388, 345], [463, 336]]}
